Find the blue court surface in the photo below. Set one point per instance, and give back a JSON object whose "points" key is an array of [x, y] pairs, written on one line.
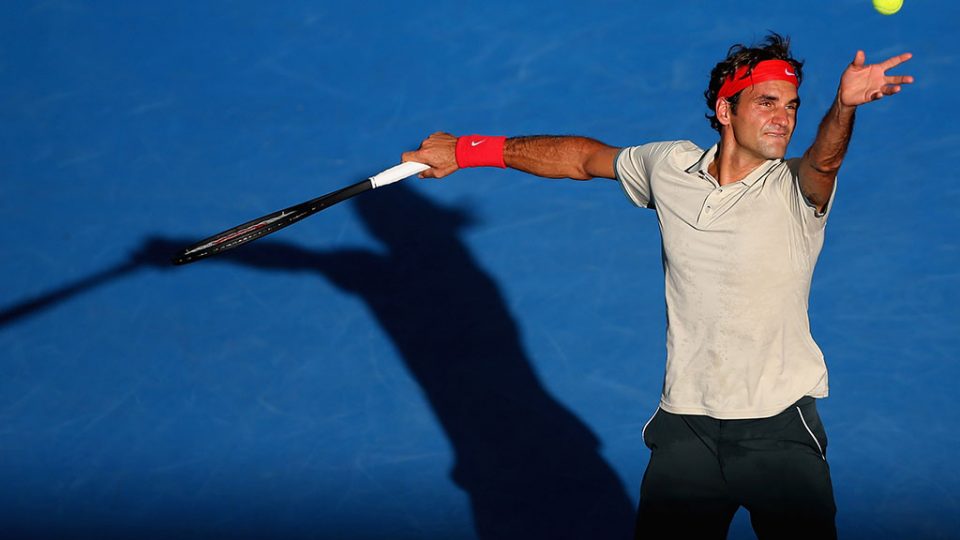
{"points": [[466, 358]]}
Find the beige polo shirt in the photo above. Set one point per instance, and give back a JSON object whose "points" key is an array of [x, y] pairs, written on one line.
{"points": [[737, 263]]}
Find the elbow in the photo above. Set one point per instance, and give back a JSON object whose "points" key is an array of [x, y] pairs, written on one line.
{"points": [[823, 166], [580, 173], [825, 170], [822, 170]]}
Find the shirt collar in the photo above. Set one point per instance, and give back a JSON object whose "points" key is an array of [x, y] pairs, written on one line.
{"points": [[701, 165]]}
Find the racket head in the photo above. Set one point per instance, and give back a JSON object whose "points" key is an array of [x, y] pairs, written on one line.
{"points": [[237, 236], [264, 225]]}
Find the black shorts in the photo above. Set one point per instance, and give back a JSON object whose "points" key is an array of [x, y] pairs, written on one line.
{"points": [[702, 470]]}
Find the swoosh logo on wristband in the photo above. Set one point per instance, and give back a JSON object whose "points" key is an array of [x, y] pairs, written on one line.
{"points": [[477, 143]]}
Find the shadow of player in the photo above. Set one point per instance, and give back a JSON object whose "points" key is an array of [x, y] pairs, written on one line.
{"points": [[531, 468], [153, 254]]}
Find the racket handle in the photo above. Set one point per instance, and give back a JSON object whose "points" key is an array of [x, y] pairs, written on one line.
{"points": [[397, 173]]}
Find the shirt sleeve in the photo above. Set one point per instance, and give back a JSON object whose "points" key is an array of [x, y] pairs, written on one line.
{"points": [[805, 212], [634, 167]]}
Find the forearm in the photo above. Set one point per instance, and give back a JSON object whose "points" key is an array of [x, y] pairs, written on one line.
{"points": [[823, 159], [833, 137], [580, 158], [557, 156]]}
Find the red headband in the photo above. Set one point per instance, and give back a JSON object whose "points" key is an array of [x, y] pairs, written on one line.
{"points": [[768, 70]]}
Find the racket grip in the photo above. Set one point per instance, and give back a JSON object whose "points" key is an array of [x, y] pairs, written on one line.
{"points": [[397, 173]]}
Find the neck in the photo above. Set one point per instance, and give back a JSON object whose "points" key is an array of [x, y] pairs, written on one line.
{"points": [[732, 163]]}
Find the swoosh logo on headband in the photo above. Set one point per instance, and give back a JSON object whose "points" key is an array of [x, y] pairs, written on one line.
{"points": [[787, 71]]}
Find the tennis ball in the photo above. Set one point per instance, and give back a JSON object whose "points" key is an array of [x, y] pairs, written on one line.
{"points": [[887, 7]]}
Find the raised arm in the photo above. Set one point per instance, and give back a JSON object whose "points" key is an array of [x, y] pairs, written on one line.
{"points": [[580, 158], [859, 84]]}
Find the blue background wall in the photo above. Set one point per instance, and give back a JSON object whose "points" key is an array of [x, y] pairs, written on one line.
{"points": [[453, 359]]}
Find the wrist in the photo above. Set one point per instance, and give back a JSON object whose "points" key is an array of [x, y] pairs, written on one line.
{"points": [[480, 151]]}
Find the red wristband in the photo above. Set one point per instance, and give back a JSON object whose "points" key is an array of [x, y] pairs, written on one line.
{"points": [[480, 151]]}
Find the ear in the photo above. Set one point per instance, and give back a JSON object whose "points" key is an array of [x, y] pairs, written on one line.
{"points": [[722, 108]]}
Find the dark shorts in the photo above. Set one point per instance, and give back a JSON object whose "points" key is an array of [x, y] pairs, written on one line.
{"points": [[702, 470]]}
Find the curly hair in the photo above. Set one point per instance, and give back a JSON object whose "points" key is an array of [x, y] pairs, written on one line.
{"points": [[774, 47]]}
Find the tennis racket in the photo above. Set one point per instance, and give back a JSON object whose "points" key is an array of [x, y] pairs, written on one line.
{"points": [[260, 227]]}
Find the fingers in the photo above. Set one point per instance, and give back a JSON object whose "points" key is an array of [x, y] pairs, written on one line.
{"points": [[420, 157], [437, 173], [412, 156], [890, 89], [898, 79], [438, 151], [859, 59], [892, 85], [895, 61], [886, 90]]}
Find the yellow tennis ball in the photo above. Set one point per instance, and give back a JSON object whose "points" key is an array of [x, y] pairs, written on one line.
{"points": [[887, 7]]}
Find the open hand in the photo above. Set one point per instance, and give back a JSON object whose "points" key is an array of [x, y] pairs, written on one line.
{"points": [[862, 83]]}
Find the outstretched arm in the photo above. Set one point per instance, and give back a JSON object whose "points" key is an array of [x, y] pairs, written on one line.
{"points": [[580, 158], [859, 84]]}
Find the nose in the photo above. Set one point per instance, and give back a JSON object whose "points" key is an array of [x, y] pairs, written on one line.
{"points": [[780, 117]]}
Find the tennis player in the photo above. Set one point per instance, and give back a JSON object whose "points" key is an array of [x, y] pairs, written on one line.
{"points": [[742, 229]]}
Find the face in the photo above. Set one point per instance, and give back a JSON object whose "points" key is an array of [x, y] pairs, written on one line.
{"points": [[765, 118]]}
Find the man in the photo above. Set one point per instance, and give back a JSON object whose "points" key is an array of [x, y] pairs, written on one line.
{"points": [[741, 231]]}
